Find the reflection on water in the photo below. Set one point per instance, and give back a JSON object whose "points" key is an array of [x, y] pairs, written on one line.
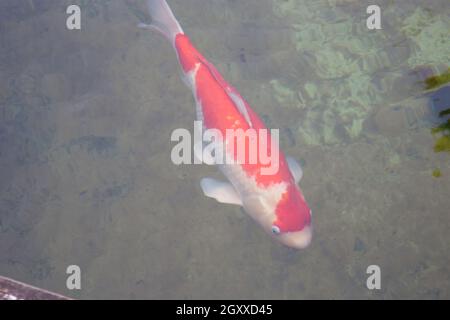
{"points": [[86, 177]]}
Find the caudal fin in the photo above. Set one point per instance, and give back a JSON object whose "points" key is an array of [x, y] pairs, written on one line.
{"points": [[163, 19]]}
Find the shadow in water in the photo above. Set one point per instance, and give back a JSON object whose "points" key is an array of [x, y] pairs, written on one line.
{"points": [[440, 106]]}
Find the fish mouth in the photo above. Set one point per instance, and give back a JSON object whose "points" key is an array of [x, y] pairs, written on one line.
{"points": [[297, 239]]}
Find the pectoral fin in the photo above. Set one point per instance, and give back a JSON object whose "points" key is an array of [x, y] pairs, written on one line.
{"points": [[295, 168], [222, 191]]}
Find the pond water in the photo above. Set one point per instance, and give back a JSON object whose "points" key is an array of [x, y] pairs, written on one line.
{"points": [[86, 177]]}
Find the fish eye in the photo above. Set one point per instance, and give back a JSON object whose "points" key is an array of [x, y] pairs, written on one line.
{"points": [[275, 230]]}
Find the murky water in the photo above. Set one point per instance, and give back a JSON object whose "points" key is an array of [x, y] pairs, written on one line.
{"points": [[86, 176]]}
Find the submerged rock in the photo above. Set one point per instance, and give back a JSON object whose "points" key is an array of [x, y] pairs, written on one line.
{"points": [[429, 33], [350, 75]]}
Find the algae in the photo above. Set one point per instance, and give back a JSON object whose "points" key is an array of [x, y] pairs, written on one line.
{"points": [[285, 95], [442, 135], [437, 173], [442, 144], [436, 81]]}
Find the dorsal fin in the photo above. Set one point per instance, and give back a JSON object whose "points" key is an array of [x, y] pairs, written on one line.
{"points": [[295, 168], [229, 90], [240, 104]]}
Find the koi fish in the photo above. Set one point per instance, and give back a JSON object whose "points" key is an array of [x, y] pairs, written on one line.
{"points": [[275, 201]]}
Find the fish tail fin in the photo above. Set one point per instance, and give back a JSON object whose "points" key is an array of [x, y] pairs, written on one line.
{"points": [[163, 20]]}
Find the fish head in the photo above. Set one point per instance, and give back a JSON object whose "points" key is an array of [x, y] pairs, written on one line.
{"points": [[288, 220], [292, 225]]}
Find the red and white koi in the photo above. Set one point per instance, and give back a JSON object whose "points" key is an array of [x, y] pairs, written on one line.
{"points": [[275, 201]]}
